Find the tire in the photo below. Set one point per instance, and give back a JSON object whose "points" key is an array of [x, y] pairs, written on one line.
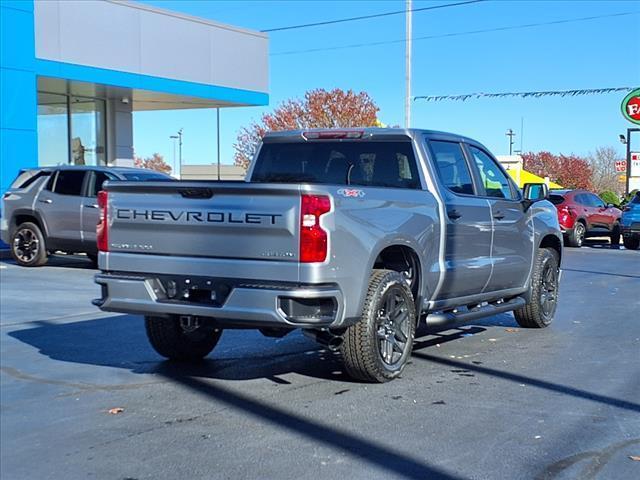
{"points": [[631, 243], [28, 246], [615, 234], [169, 339], [543, 291], [376, 349], [93, 258], [576, 237]]}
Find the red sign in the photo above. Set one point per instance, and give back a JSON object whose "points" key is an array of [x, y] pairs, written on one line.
{"points": [[631, 106], [621, 165]]}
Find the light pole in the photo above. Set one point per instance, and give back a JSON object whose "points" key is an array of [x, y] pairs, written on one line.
{"points": [[510, 133], [179, 138], [218, 138], [407, 59], [173, 164]]}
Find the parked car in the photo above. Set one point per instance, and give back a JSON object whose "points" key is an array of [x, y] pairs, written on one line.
{"points": [[353, 236], [55, 209], [630, 223], [583, 214]]}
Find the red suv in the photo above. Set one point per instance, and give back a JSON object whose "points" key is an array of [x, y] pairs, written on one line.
{"points": [[583, 214]]}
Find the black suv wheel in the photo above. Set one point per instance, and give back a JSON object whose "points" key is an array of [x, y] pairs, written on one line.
{"points": [[28, 246]]}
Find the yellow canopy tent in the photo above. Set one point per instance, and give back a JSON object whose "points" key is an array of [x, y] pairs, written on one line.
{"points": [[522, 176]]}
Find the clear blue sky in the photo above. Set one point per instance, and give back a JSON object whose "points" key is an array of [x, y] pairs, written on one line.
{"points": [[589, 54]]}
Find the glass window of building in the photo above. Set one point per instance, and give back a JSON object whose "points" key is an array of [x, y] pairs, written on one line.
{"points": [[53, 129], [87, 131], [85, 144]]}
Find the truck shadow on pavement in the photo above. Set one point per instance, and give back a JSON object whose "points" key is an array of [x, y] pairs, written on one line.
{"points": [[119, 341]]}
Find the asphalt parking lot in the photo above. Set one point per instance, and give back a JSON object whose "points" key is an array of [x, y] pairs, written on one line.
{"points": [[487, 400]]}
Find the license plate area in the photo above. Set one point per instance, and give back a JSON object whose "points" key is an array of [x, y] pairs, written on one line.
{"points": [[211, 292]]}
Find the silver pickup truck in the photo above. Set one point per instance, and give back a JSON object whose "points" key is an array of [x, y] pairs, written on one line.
{"points": [[353, 236]]}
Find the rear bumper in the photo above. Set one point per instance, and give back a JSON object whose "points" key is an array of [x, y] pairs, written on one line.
{"points": [[245, 305]]}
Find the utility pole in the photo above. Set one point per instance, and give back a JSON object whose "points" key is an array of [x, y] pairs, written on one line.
{"points": [[179, 137], [510, 133], [407, 98], [218, 138]]}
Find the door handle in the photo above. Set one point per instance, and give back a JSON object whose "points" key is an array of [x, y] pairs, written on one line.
{"points": [[45, 200], [92, 205], [498, 215], [454, 214]]}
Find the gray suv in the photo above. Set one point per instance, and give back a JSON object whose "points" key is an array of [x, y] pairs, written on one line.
{"points": [[54, 209]]}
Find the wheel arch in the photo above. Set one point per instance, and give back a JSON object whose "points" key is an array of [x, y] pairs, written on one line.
{"points": [[21, 216], [402, 257], [552, 241]]}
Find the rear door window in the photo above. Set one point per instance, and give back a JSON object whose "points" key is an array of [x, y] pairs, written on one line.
{"points": [[556, 199], [452, 166], [69, 182], [373, 164], [28, 177]]}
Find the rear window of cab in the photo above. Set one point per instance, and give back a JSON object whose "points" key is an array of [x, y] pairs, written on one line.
{"points": [[370, 163]]}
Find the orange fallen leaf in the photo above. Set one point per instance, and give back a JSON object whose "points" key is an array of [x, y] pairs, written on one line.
{"points": [[116, 410], [635, 458], [512, 330]]}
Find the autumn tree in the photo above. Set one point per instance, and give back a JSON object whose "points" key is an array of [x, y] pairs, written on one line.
{"points": [[156, 162], [318, 109], [603, 164], [570, 171]]}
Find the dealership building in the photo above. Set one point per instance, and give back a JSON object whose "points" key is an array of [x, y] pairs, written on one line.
{"points": [[72, 73]]}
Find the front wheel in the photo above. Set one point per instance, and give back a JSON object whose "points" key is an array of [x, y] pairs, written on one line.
{"points": [[180, 340], [377, 348], [631, 243], [615, 234], [28, 245], [543, 291]]}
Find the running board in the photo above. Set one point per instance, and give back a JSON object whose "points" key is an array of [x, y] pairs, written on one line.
{"points": [[435, 319]]}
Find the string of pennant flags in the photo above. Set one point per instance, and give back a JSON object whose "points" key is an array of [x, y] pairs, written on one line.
{"points": [[548, 93]]}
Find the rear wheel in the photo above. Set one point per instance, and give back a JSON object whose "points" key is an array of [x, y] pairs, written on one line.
{"points": [[631, 243], [181, 340], [576, 237], [377, 348], [28, 245], [615, 234], [543, 291]]}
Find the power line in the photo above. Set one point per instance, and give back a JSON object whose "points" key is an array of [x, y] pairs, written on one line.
{"points": [[538, 94], [366, 17], [455, 34]]}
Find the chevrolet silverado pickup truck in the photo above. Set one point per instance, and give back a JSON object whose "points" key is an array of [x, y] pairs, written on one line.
{"points": [[353, 236]]}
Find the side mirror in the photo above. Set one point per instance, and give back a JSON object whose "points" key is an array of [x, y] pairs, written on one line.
{"points": [[534, 192], [611, 205]]}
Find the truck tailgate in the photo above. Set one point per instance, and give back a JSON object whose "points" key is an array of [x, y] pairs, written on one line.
{"points": [[220, 220]]}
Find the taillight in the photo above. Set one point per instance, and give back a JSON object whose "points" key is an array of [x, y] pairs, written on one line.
{"points": [[568, 210], [313, 238], [102, 229]]}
